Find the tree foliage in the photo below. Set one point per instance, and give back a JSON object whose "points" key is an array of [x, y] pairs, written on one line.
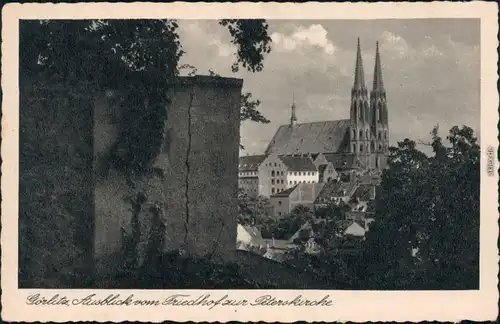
{"points": [[426, 233]]}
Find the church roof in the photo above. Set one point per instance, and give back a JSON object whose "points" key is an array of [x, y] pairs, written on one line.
{"points": [[316, 137], [298, 163], [251, 162]]}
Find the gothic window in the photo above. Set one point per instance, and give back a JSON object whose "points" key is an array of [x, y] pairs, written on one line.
{"points": [[360, 134], [354, 147], [373, 146], [367, 148], [380, 146], [367, 134], [362, 115], [361, 147], [379, 135], [379, 112], [377, 162]]}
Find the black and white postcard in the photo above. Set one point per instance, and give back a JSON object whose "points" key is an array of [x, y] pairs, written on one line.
{"points": [[246, 162]]}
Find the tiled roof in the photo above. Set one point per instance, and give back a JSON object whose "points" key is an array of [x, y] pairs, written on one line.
{"points": [[254, 232], [336, 189], [251, 162], [343, 161], [316, 137], [285, 193], [365, 192], [298, 163]]}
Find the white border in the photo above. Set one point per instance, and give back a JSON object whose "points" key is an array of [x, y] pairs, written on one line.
{"points": [[358, 306]]}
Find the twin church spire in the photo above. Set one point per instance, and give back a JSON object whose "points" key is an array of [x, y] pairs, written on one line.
{"points": [[367, 110]]}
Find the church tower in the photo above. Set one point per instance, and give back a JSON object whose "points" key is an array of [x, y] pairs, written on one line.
{"points": [[359, 115], [379, 116]]}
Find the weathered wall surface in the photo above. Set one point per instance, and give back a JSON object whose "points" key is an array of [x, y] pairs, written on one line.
{"points": [[200, 165], [55, 185]]}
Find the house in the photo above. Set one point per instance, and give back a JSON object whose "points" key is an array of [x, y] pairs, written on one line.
{"points": [[281, 172], [248, 173], [249, 238], [334, 192], [300, 194], [279, 250]]}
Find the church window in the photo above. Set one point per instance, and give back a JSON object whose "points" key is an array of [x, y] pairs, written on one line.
{"points": [[380, 146], [377, 162], [361, 147], [354, 147], [379, 135], [353, 134], [385, 135], [360, 134], [367, 133], [367, 148], [361, 113], [373, 146]]}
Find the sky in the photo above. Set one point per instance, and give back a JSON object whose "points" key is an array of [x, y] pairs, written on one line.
{"points": [[431, 71]]}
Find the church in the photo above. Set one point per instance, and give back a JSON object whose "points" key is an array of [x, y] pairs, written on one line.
{"points": [[360, 142]]}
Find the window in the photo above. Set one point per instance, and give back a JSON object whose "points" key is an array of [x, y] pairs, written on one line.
{"points": [[354, 147], [295, 182], [353, 134], [272, 181], [385, 135], [313, 181], [279, 203], [379, 135], [275, 164], [272, 173], [290, 182], [360, 134], [295, 173], [380, 146], [361, 147], [272, 190], [367, 133], [279, 213]]}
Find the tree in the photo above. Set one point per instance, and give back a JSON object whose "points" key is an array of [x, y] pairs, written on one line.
{"points": [[252, 210], [426, 233]]}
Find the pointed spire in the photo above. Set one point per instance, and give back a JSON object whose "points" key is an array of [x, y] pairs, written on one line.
{"points": [[359, 74], [293, 119], [378, 83]]}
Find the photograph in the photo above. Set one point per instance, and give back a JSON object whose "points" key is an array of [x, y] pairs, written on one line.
{"points": [[357, 166], [241, 163]]}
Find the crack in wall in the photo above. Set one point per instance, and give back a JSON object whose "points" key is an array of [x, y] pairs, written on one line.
{"points": [[188, 170]]}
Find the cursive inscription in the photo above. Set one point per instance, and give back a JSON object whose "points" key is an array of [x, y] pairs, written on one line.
{"points": [[183, 300]]}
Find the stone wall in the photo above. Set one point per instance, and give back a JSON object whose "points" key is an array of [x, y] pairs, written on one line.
{"points": [[199, 159]]}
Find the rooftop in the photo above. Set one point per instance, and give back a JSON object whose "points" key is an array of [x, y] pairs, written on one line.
{"points": [[315, 137]]}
